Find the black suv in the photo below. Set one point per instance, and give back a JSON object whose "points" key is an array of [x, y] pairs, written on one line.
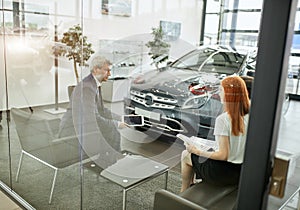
{"points": [[183, 97]]}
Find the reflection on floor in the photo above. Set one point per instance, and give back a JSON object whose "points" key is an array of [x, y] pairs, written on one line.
{"points": [[6, 203], [136, 142]]}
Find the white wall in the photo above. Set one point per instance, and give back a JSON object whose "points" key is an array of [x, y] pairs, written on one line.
{"points": [[114, 27], [30, 67]]}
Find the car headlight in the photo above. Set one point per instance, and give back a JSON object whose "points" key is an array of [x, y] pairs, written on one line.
{"points": [[195, 101]]}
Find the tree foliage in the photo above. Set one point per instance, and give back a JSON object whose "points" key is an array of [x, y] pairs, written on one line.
{"points": [[158, 47], [76, 48]]}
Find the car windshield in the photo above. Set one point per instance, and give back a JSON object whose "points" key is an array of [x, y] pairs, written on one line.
{"points": [[211, 61]]}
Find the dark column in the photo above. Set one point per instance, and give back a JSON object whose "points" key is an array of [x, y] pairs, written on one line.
{"points": [[22, 18], [275, 39], [203, 22], [56, 69], [16, 16], [233, 23]]}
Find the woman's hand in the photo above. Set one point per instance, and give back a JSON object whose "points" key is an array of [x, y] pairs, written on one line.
{"points": [[190, 148], [220, 154]]}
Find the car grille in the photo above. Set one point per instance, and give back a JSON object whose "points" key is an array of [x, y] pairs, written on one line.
{"points": [[167, 124], [163, 123], [152, 100]]}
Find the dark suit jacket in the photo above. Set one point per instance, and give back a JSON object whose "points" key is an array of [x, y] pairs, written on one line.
{"points": [[91, 122]]}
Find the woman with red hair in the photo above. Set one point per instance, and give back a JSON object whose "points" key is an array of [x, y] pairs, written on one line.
{"points": [[221, 167]]}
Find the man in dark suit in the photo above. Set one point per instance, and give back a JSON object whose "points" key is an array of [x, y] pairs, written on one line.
{"points": [[95, 126]]}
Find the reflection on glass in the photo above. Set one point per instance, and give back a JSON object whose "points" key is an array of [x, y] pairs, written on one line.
{"points": [[242, 20], [284, 187], [245, 4], [211, 29], [31, 71], [30, 78], [243, 39], [288, 148]]}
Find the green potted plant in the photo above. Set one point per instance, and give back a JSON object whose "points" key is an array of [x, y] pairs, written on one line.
{"points": [[159, 49], [76, 48]]}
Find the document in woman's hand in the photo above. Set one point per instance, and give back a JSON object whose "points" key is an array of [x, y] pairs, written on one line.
{"points": [[199, 143]]}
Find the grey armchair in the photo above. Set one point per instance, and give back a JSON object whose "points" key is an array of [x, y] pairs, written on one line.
{"points": [[38, 140]]}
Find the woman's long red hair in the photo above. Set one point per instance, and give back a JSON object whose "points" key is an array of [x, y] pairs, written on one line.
{"points": [[236, 102]]}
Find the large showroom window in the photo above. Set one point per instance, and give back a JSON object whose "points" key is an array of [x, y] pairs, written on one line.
{"points": [[227, 22]]}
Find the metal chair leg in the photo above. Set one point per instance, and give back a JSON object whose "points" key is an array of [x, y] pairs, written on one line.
{"points": [[47, 164], [166, 179], [19, 166], [298, 206], [124, 199], [53, 184]]}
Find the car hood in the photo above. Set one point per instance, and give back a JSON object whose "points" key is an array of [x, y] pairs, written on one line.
{"points": [[175, 82]]}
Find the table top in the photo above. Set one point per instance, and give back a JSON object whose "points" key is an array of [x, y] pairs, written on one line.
{"points": [[133, 169]]}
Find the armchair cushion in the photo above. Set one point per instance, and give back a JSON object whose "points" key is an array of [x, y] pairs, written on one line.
{"points": [[200, 196], [166, 200], [207, 194]]}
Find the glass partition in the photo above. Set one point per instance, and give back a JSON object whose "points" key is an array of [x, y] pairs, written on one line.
{"points": [[284, 186], [49, 169], [35, 163], [41, 86]]}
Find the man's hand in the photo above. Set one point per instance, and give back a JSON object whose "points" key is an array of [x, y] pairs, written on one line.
{"points": [[122, 125]]}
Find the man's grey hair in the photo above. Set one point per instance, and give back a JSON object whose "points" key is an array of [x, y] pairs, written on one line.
{"points": [[99, 61]]}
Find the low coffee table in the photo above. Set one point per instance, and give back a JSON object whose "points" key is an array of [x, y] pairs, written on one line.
{"points": [[133, 170]]}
